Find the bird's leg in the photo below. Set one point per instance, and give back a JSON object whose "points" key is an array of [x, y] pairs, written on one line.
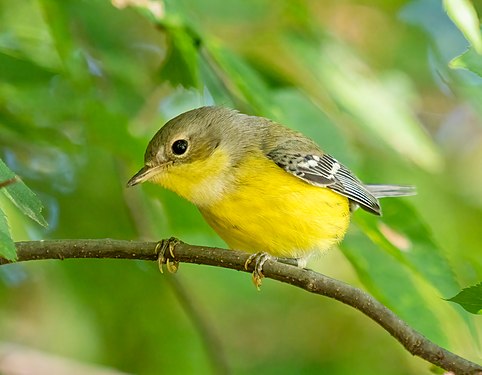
{"points": [[259, 260], [165, 256]]}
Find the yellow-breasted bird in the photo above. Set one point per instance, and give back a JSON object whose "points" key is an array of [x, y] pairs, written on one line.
{"points": [[262, 187]]}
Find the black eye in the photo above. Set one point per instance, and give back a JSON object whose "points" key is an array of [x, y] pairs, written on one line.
{"points": [[179, 147]]}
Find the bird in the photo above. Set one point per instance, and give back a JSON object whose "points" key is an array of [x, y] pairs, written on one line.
{"points": [[264, 188]]}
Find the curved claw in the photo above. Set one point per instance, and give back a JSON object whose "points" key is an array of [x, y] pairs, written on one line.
{"points": [[259, 260], [168, 259], [172, 266]]}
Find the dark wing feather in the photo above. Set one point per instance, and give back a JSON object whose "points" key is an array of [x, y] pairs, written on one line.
{"points": [[325, 171]]}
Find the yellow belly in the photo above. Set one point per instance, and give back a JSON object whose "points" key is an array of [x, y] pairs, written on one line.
{"points": [[271, 210]]}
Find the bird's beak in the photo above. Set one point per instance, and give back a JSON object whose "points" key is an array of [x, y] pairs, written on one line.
{"points": [[145, 174]]}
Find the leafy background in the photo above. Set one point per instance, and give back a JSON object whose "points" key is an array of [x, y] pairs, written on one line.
{"points": [[383, 86]]}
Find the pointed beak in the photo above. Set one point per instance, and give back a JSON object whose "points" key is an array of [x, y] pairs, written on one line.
{"points": [[145, 174]]}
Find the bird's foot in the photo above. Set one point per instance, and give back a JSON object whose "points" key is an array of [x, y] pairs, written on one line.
{"points": [[165, 249], [259, 259]]}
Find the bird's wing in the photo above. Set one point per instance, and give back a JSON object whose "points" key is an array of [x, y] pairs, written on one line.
{"points": [[320, 169]]}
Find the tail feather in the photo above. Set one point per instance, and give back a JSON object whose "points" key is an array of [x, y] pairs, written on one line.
{"points": [[382, 191]]}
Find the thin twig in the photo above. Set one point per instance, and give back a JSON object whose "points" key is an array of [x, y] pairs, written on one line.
{"points": [[311, 281], [212, 343]]}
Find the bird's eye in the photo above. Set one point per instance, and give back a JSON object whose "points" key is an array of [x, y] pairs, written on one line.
{"points": [[179, 147]]}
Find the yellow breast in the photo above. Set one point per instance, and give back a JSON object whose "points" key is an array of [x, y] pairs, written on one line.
{"points": [[267, 209], [257, 206], [201, 182]]}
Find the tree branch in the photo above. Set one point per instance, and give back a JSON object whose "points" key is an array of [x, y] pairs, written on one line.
{"points": [[311, 281]]}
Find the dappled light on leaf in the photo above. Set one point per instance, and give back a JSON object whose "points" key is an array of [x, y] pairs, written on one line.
{"points": [[397, 239]]}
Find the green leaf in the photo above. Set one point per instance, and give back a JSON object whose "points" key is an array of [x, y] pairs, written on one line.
{"points": [[243, 83], [57, 21], [24, 198], [469, 60], [20, 70], [409, 242], [464, 15], [7, 246], [181, 65], [392, 284], [470, 299]]}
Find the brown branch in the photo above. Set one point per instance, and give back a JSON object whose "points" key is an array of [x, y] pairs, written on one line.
{"points": [[311, 281]]}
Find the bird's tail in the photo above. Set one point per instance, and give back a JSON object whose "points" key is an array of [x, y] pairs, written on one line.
{"points": [[382, 191]]}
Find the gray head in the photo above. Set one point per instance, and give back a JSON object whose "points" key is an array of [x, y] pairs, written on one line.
{"points": [[193, 136]]}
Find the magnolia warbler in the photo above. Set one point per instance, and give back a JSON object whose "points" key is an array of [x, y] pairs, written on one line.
{"points": [[262, 187]]}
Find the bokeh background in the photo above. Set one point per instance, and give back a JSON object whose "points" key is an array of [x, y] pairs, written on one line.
{"points": [[85, 84]]}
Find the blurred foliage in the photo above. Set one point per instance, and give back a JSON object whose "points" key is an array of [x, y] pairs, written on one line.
{"points": [[85, 85], [25, 200]]}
